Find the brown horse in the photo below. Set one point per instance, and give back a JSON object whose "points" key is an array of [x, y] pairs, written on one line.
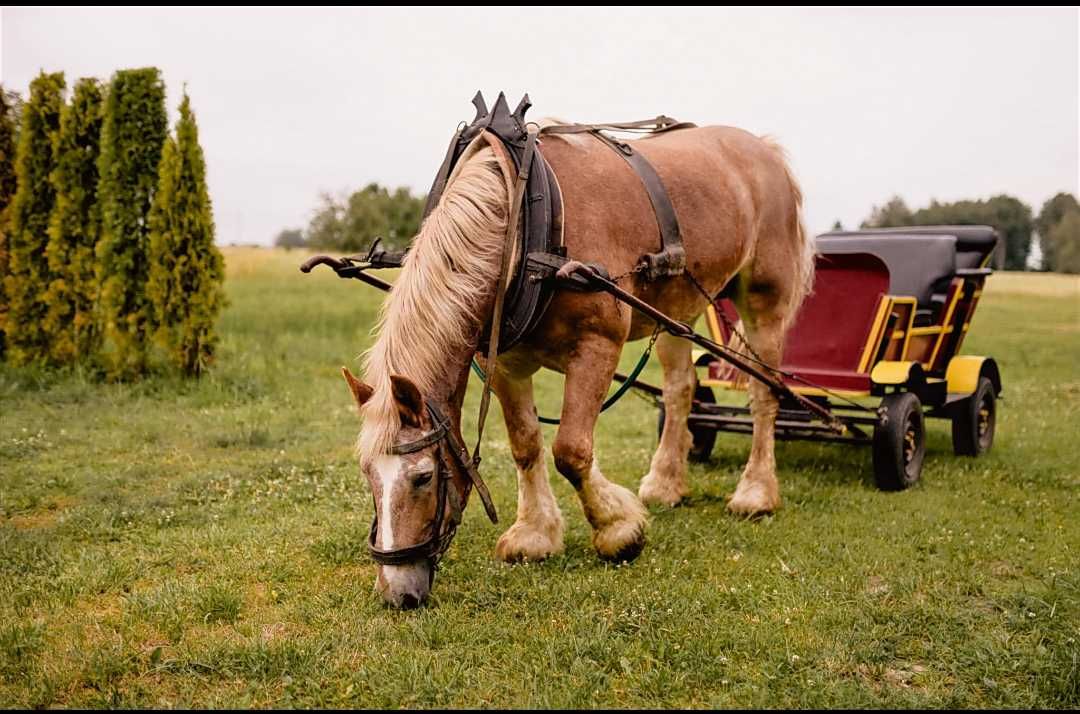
{"points": [[739, 211]]}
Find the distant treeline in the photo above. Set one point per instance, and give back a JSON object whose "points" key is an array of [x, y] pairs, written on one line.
{"points": [[107, 252], [1057, 225], [350, 224]]}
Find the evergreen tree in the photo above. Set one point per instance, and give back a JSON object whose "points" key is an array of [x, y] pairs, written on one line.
{"points": [[1051, 214], [8, 184], [74, 227], [186, 268], [28, 275], [1064, 237], [132, 136]]}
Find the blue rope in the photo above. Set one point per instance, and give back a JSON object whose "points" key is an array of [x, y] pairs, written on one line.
{"points": [[610, 401]]}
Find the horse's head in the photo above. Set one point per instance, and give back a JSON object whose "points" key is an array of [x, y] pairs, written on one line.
{"points": [[419, 492]]}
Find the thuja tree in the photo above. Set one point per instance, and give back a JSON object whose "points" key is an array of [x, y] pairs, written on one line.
{"points": [[186, 268], [74, 228], [28, 270], [7, 193], [132, 135]]}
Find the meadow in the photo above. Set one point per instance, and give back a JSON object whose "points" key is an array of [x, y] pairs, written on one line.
{"points": [[201, 543]]}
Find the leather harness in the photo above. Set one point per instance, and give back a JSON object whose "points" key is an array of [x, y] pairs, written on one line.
{"points": [[540, 224]]}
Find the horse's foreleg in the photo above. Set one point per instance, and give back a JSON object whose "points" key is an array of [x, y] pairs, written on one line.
{"points": [[616, 515], [666, 481], [538, 530]]}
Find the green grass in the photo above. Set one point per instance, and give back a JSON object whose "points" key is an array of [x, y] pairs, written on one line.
{"points": [[177, 543]]}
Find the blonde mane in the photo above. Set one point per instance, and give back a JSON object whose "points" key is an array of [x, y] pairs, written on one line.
{"points": [[431, 312]]}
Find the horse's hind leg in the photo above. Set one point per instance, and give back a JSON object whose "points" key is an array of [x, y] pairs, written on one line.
{"points": [[615, 514], [538, 530], [666, 481], [763, 310]]}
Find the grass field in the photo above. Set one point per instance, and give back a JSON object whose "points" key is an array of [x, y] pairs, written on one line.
{"points": [[172, 544]]}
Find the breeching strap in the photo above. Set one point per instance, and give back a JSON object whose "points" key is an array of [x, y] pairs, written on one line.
{"points": [[500, 286]]}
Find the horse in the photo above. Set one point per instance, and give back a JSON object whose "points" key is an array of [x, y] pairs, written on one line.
{"points": [[739, 207]]}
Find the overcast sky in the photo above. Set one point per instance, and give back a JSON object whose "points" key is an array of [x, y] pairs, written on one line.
{"points": [[946, 104]]}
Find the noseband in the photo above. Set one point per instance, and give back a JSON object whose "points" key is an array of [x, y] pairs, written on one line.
{"points": [[449, 501]]}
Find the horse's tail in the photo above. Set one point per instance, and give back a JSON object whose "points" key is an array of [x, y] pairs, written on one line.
{"points": [[806, 252], [806, 249]]}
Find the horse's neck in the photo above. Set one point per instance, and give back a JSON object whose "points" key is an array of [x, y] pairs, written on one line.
{"points": [[449, 393]]}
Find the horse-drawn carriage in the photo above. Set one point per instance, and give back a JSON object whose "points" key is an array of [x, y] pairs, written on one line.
{"points": [[530, 230], [886, 319]]}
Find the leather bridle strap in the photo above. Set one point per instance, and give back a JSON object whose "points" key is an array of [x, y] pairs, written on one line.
{"points": [[447, 499], [500, 289]]}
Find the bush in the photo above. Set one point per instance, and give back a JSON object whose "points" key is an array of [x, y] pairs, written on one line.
{"points": [[74, 228], [28, 274], [132, 136], [372, 211], [1065, 239], [290, 238], [186, 269], [1053, 211]]}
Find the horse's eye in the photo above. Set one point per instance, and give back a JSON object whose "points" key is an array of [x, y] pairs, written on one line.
{"points": [[421, 479]]}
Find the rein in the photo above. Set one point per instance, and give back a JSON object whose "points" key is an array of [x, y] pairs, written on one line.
{"points": [[500, 286]]}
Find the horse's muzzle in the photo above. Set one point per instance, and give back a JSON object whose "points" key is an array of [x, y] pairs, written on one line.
{"points": [[404, 586]]}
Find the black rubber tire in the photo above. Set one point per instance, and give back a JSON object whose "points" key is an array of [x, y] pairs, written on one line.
{"points": [[899, 443], [974, 421], [704, 438]]}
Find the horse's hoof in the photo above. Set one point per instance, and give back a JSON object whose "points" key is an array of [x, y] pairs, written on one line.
{"points": [[524, 541], [655, 491], [753, 500], [621, 541]]}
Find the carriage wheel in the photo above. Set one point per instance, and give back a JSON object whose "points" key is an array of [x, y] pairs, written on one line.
{"points": [[704, 437], [899, 442], [974, 421]]}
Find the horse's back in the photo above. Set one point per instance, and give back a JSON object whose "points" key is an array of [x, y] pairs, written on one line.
{"points": [[721, 181]]}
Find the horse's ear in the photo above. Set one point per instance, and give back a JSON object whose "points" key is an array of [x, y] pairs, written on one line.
{"points": [[360, 391], [410, 402]]}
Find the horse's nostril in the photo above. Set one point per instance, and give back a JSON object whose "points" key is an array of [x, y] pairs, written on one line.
{"points": [[409, 601]]}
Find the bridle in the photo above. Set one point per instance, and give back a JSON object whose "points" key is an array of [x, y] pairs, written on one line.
{"points": [[448, 499]]}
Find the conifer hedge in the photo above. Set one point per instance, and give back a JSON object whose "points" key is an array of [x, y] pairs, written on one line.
{"points": [[8, 185], [74, 229], [106, 229], [186, 268], [27, 276], [132, 137]]}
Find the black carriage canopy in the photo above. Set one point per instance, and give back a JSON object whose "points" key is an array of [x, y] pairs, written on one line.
{"points": [[922, 260]]}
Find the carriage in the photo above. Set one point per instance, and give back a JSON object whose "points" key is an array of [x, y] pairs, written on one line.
{"points": [[886, 320], [529, 227]]}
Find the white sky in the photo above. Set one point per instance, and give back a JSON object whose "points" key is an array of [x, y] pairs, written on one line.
{"points": [[954, 103]]}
